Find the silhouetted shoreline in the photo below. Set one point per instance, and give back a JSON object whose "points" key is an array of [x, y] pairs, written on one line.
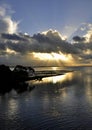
{"points": [[13, 79], [16, 78]]}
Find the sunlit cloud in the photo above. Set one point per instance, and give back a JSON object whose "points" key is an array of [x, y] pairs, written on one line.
{"points": [[50, 33], [7, 25], [89, 36], [9, 51]]}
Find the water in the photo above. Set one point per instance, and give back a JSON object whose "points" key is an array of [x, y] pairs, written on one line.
{"points": [[56, 103]]}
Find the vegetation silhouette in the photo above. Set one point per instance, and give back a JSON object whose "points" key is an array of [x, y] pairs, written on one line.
{"points": [[14, 79]]}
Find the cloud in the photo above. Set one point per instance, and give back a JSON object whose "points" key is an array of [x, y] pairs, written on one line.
{"points": [[89, 36], [13, 45], [84, 43], [7, 25], [19, 48], [86, 51], [52, 41], [79, 39], [15, 37], [46, 43]]}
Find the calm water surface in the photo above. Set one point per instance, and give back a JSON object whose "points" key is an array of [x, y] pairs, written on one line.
{"points": [[56, 103]]}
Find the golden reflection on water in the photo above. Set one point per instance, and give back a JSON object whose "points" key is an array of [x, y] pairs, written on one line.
{"points": [[88, 90], [63, 94], [12, 107], [57, 79], [54, 79], [60, 78]]}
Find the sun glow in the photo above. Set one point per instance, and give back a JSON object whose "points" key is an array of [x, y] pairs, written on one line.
{"points": [[9, 51], [53, 56]]}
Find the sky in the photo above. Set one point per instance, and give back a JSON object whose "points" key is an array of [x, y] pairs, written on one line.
{"points": [[40, 15], [45, 32]]}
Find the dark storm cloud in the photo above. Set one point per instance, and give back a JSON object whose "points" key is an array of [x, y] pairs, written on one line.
{"points": [[40, 37], [79, 39], [85, 49], [51, 42], [83, 46], [12, 37], [2, 46], [88, 56], [80, 46]]}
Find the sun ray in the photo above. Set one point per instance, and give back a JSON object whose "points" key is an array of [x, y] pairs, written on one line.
{"points": [[58, 58]]}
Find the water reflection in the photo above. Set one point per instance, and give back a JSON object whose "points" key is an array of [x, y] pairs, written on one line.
{"points": [[54, 79], [59, 102], [12, 108], [57, 79], [88, 84]]}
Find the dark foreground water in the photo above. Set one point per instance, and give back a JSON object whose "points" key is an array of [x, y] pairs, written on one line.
{"points": [[56, 103]]}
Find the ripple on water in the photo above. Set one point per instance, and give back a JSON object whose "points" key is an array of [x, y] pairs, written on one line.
{"points": [[65, 104]]}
